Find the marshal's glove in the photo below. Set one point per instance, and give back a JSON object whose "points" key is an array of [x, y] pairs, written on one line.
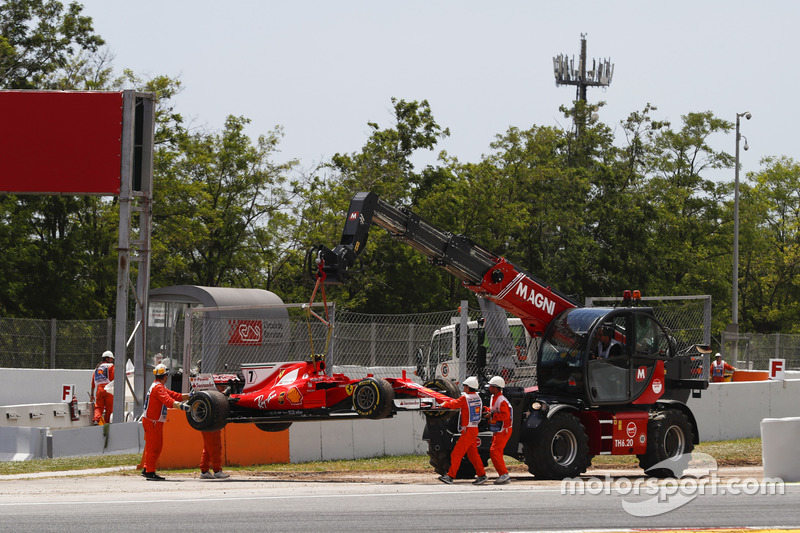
{"points": [[183, 405]]}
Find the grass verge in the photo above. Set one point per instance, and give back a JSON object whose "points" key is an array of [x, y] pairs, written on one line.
{"points": [[740, 452]]}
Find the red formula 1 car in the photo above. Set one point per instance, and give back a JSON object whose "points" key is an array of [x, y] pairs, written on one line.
{"points": [[274, 395]]}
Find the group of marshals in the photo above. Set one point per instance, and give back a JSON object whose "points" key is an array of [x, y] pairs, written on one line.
{"points": [[471, 411]]}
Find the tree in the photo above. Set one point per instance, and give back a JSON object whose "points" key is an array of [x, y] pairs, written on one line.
{"points": [[689, 240], [39, 37], [220, 209], [770, 259], [382, 166]]}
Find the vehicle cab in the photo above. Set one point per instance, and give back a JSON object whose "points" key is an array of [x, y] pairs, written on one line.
{"points": [[512, 357], [605, 356]]}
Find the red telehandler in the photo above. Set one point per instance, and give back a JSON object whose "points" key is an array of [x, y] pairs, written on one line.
{"points": [[588, 401]]}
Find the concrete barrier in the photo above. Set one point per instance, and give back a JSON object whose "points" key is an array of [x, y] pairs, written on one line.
{"points": [[779, 436], [735, 410], [357, 439], [242, 444], [24, 443]]}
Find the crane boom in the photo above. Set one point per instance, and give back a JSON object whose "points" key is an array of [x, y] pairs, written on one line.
{"points": [[481, 271]]}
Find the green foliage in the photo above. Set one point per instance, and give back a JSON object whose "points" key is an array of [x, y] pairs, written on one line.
{"points": [[39, 37], [220, 210], [769, 248], [571, 206]]}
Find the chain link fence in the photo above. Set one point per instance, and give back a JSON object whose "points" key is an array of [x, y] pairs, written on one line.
{"points": [[752, 351], [69, 344], [358, 344], [355, 344]]}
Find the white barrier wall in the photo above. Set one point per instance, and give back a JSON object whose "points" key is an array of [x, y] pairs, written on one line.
{"points": [[27, 386], [357, 439], [735, 410]]}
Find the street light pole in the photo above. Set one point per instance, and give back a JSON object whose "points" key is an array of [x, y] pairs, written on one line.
{"points": [[735, 295]]}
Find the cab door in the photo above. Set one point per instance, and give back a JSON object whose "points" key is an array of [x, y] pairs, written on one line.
{"points": [[609, 370], [650, 349]]}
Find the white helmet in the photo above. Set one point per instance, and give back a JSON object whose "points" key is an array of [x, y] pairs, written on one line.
{"points": [[160, 370], [108, 354], [498, 382], [471, 382]]}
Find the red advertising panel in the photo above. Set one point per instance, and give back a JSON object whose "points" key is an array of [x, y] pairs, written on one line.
{"points": [[60, 142]]}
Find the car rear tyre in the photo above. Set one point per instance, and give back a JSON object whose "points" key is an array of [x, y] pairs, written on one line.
{"points": [[669, 444], [447, 387], [558, 449], [373, 398], [273, 427], [208, 411]]}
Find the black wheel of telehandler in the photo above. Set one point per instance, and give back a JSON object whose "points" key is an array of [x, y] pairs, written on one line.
{"points": [[373, 398], [559, 448], [669, 444], [208, 410], [440, 461], [273, 427], [445, 386]]}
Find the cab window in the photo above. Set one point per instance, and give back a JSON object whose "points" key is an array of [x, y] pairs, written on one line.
{"points": [[651, 339]]}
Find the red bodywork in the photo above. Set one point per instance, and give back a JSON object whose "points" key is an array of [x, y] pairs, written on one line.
{"points": [[300, 390]]}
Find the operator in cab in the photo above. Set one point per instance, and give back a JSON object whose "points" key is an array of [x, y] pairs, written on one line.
{"points": [[605, 344]]}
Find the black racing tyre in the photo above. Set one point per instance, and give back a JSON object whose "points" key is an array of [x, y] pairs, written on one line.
{"points": [[445, 386], [373, 398], [208, 411], [669, 444], [273, 427], [558, 449]]}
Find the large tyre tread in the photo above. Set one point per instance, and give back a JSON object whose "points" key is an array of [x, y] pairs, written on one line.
{"points": [[440, 461], [669, 434], [565, 431]]}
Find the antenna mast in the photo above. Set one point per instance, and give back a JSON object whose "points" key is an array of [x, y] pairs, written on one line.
{"points": [[566, 73]]}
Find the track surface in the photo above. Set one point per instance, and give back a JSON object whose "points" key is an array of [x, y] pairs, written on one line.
{"points": [[365, 501]]}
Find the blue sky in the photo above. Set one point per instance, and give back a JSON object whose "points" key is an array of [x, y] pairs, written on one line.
{"points": [[323, 69]]}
